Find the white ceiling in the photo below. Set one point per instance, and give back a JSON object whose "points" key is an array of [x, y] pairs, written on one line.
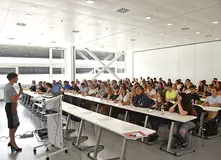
{"points": [[102, 28]]}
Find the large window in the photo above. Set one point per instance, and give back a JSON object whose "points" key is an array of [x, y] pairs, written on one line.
{"points": [[4, 71], [33, 70], [23, 52], [84, 70], [58, 70], [57, 54]]}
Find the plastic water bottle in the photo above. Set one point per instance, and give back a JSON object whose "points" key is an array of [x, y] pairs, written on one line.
{"points": [[85, 94], [169, 99], [162, 109], [43, 107], [192, 102]]}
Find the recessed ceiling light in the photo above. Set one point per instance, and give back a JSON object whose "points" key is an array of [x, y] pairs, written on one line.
{"points": [[217, 38], [216, 22], [149, 36], [197, 32], [174, 41], [33, 7], [148, 18], [161, 34], [169, 24], [209, 35], [186, 39], [90, 1], [100, 20], [28, 14]]}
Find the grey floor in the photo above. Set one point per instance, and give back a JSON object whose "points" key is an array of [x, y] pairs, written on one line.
{"points": [[112, 142]]}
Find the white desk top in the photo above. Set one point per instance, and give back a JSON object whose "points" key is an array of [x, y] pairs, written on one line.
{"points": [[203, 99], [211, 109], [166, 115], [32, 94], [114, 125]]}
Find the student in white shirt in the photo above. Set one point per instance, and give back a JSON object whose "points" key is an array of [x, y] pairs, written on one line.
{"points": [[124, 99], [151, 93], [92, 91], [213, 101], [124, 96]]}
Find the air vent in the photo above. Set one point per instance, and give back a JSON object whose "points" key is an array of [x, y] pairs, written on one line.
{"points": [[209, 35], [133, 40], [122, 10], [10, 38], [185, 28], [21, 24], [75, 31], [53, 41]]}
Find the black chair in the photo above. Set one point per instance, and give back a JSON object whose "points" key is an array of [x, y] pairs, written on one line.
{"points": [[200, 122]]}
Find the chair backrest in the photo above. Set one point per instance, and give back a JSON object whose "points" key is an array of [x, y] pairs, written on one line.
{"points": [[198, 110]]}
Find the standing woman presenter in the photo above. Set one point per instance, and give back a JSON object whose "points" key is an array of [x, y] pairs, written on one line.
{"points": [[11, 97]]}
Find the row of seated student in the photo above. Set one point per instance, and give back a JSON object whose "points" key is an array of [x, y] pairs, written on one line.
{"points": [[146, 94]]}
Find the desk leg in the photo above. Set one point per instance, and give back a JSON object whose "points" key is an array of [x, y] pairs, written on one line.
{"points": [[123, 151], [170, 137], [145, 124], [201, 124], [80, 133], [67, 125], [25, 99], [110, 112], [125, 117], [97, 108], [97, 143]]}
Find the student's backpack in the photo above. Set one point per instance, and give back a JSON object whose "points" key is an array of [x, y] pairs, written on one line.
{"points": [[210, 128], [177, 142]]}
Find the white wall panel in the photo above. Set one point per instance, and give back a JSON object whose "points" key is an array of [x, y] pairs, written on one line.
{"points": [[197, 62]]}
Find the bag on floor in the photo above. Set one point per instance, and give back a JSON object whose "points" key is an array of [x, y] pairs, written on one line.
{"points": [[177, 142], [210, 128]]}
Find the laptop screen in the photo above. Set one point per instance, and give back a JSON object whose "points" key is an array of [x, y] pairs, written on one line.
{"points": [[56, 88]]}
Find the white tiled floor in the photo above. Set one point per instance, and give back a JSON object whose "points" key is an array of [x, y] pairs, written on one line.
{"points": [[135, 150]]}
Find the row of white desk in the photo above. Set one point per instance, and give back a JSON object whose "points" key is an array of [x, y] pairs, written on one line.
{"points": [[127, 130], [173, 117]]}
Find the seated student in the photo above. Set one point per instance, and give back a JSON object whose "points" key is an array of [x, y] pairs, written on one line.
{"points": [[104, 109], [115, 87], [74, 86], [96, 85], [169, 82], [140, 100], [155, 122], [33, 87], [201, 88], [175, 89], [92, 90], [170, 94], [208, 92], [213, 101], [83, 89], [48, 87], [195, 98], [151, 93], [124, 99], [40, 88], [183, 107], [67, 86], [102, 91], [218, 85], [187, 85]]}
